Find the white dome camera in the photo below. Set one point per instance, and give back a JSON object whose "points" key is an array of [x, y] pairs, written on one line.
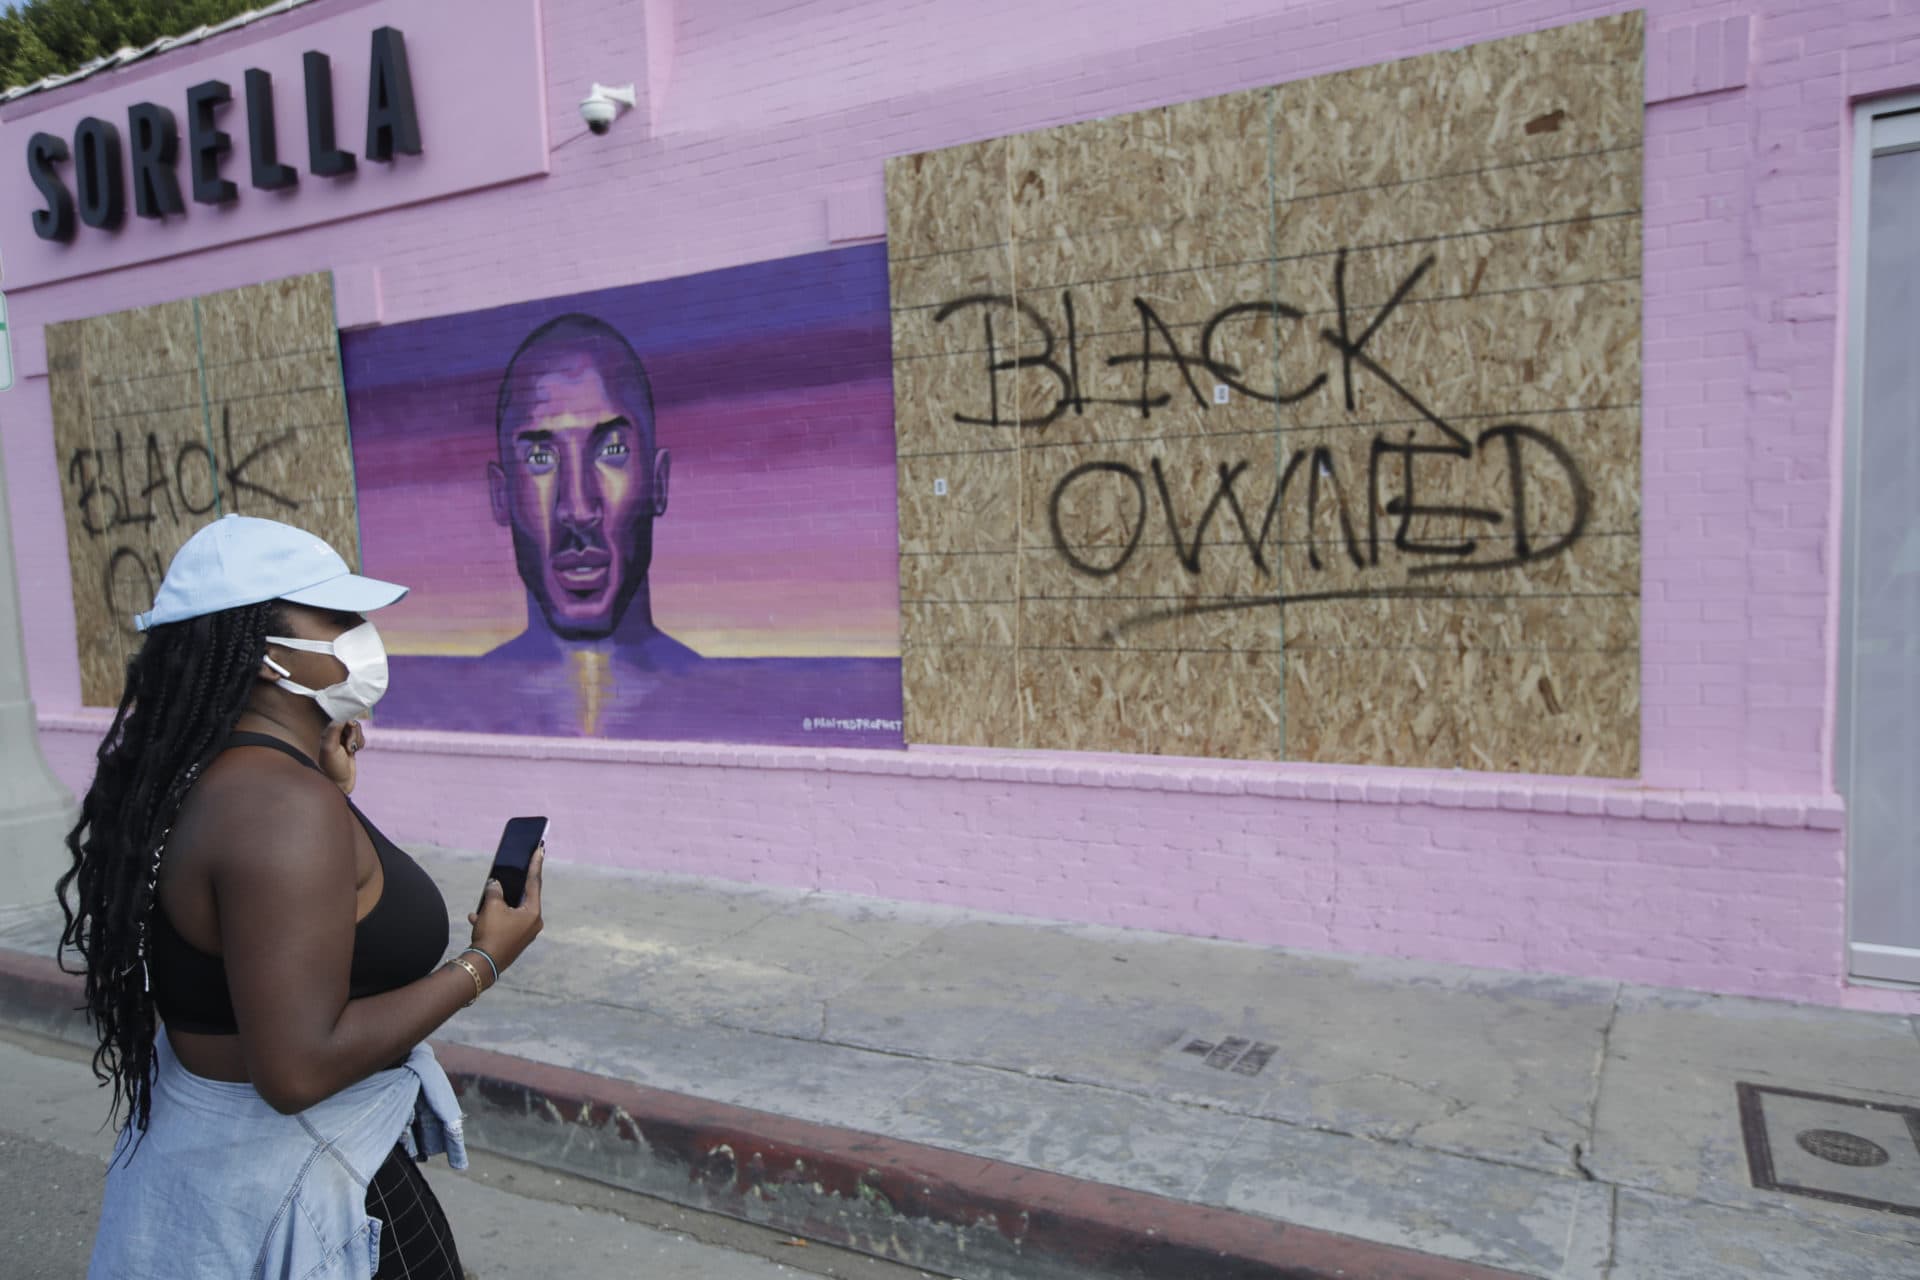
{"points": [[602, 106]]}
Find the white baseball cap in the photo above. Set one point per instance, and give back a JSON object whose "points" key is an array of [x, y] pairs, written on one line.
{"points": [[240, 560]]}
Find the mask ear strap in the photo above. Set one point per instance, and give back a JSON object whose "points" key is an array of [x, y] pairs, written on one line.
{"points": [[285, 681], [305, 646]]}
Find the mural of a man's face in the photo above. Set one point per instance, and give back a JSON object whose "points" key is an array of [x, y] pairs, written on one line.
{"points": [[578, 479]]}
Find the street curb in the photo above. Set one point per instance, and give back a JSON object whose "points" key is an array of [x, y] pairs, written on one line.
{"points": [[36, 996], [924, 1206]]}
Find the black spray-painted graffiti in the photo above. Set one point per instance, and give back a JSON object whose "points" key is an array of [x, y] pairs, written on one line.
{"points": [[1389, 460], [131, 485]]}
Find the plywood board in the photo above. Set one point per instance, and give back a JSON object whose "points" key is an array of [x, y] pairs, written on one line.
{"points": [[166, 417], [950, 286], [1299, 423]]}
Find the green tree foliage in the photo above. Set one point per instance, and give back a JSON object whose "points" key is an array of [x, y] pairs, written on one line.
{"points": [[51, 37]]}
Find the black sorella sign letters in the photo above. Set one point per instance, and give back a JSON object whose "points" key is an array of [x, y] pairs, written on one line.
{"points": [[393, 128]]}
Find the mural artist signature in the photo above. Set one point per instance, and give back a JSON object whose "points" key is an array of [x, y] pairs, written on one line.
{"points": [[857, 724]]}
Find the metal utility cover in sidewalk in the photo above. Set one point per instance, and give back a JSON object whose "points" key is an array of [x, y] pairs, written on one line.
{"points": [[1846, 1150], [1241, 1055]]}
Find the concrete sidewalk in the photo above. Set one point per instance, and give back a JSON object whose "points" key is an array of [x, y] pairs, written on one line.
{"points": [[986, 1096]]}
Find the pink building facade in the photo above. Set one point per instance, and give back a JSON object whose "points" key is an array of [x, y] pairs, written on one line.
{"points": [[760, 134]]}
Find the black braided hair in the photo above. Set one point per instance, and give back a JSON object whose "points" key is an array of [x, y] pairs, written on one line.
{"points": [[185, 688]]}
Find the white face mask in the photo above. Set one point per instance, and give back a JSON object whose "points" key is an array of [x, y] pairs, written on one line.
{"points": [[365, 658]]}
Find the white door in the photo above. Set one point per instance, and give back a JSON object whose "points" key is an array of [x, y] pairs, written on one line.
{"points": [[1877, 757]]}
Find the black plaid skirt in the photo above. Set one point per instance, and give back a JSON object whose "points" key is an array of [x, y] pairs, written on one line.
{"points": [[415, 1241]]}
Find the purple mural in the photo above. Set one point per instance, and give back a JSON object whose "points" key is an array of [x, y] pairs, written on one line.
{"points": [[663, 511]]}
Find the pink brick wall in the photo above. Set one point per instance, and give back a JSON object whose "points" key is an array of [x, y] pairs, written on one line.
{"points": [[1721, 868]]}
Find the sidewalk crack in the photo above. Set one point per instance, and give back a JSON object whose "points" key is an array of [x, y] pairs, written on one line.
{"points": [[1613, 1233], [1584, 1151], [1573, 1231]]}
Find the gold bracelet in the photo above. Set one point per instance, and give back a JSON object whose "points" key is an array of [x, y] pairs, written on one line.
{"points": [[473, 973]]}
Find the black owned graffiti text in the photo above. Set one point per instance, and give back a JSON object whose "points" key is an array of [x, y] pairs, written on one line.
{"points": [[1394, 461], [132, 483]]}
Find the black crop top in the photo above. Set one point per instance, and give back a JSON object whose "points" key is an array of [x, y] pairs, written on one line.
{"points": [[400, 941]]}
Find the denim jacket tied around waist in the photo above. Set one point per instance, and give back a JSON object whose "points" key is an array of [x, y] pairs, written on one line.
{"points": [[221, 1184]]}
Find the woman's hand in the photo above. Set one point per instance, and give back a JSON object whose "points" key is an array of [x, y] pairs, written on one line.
{"points": [[338, 746], [501, 931]]}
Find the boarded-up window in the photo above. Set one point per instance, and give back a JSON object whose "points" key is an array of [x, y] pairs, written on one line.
{"points": [[1301, 423], [166, 417]]}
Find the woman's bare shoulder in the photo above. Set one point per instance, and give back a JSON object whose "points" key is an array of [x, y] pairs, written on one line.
{"points": [[262, 806]]}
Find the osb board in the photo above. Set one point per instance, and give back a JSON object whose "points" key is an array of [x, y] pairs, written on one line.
{"points": [[1301, 423], [166, 417]]}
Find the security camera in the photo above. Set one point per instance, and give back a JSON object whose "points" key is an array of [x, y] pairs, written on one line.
{"points": [[598, 113], [602, 106]]}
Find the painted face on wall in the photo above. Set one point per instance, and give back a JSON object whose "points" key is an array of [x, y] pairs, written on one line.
{"points": [[578, 479]]}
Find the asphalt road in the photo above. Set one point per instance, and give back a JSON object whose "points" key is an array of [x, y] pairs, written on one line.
{"points": [[511, 1219]]}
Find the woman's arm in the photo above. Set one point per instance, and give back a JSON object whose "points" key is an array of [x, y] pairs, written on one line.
{"points": [[286, 902]]}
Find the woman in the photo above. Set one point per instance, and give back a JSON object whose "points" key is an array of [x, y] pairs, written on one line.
{"points": [[262, 965]]}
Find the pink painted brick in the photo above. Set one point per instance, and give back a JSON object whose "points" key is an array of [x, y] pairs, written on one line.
{"points": [[1383, 791], [1622, 804], [1783, 813], [1662, 807], [1826, 817], [1550, 799], [1584, 802]]}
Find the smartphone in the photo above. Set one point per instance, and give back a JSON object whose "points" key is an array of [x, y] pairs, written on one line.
{"points": [[517, 842]]}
